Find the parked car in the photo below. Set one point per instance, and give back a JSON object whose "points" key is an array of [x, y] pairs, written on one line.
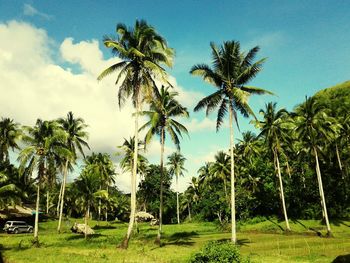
{"points": [[17, 227]]}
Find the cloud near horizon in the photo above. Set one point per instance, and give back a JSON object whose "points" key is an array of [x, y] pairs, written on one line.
{"points": [[34, 85]]}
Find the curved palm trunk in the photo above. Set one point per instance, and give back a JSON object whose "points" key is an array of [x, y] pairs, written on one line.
{"points": [[233, 206], [323, 200], [189, 212], [47, 201], [36, 225], [339, 161], [281, 190], [62, 197], [177, 199], [125, 242], [161, 190], [106, 214]]}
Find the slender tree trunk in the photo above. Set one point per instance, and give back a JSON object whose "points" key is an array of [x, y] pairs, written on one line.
{"points": [[99, 209], [320, 185], [161, 190], [233, 206], [177, 199], [189, 213], [106, 214], [47, 201], [62, 197], [59, 200], [281, 190], [125, 242], [339, 161], [36, 225], [86, 219]]}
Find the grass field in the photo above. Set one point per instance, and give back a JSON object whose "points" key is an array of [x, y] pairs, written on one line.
{"points": [[262, 242]]}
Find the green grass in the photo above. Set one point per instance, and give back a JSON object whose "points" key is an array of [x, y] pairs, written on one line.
{"points": [[262, 242]]}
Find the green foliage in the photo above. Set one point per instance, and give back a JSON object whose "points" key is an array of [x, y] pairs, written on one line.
{"points": [[218, 252]]}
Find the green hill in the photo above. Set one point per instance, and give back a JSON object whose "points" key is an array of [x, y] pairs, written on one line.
{"points": [[337, 98]]}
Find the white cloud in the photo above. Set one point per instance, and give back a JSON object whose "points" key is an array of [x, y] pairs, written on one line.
{"points": [[34, 85], [269, 40], [198, 126], [29, 10]]}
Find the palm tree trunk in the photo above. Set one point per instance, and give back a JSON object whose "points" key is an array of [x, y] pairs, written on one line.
{"points": [[339, 160], [125, 242], [233, 206], [189, 212], [106, 214], [86, 219], [99, 209], [59, 200], [281, 189], [36, 224], [62, 197], [161, 190], [47, 201], [177, 199], [320, 185]]}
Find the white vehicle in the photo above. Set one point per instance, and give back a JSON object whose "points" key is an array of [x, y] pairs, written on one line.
{"points": [[17, 227]]}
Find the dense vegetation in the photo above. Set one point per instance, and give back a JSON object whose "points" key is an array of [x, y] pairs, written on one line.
{"points": [[296, 165]]}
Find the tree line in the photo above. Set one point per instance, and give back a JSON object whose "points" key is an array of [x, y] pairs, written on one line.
{"points": [[309, 145]]}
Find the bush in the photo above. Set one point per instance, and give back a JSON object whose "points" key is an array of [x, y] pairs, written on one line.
{"points": [[214, 251]]}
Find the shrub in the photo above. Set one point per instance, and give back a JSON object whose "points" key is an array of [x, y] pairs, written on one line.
{"points": [[214, 251]]}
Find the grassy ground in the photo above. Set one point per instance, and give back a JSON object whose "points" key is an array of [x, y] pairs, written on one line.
{"points": [[262, 242]]}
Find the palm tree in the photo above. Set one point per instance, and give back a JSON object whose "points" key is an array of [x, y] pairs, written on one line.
{"points": [[88, 185], [314, 127], [163, 109], [221, 168], [176, 163], [74, 127], [275, 130], [9, 135], [44, 140], [143, 51], [232, 70], [103, 166]]}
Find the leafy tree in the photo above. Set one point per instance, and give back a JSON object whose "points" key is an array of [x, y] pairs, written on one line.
{"points": [[10, 133], [142, 51], [176, 167], [163, 111], [314, 127], [76, 136], [275, 131], [44, 141], [231, 71]]}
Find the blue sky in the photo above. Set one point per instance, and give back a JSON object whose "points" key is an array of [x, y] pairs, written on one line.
{"points": [[306, 43]]}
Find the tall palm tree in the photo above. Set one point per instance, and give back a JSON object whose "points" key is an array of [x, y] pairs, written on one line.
{"points": [[76, 136], [314, 127], [275, 130], [231, 71], [44, 141], [9, 136], [176, 162], [163, 109], [142, 51]]}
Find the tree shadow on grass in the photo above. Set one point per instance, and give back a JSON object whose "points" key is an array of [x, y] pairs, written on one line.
{"points": [[79, 236], [339, 222], [278, 225], [96, 227], [179, 239], [315, 230], [240, 242]]}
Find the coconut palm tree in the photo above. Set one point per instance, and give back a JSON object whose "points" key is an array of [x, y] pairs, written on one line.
{"points": [[103, 166], [163, 109], [275, 130], [142, 51], [88, 187], [314, 127], [76, 136], [9, 136], [231, 71], [44, 141], [220, 169], [176, 163]]}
